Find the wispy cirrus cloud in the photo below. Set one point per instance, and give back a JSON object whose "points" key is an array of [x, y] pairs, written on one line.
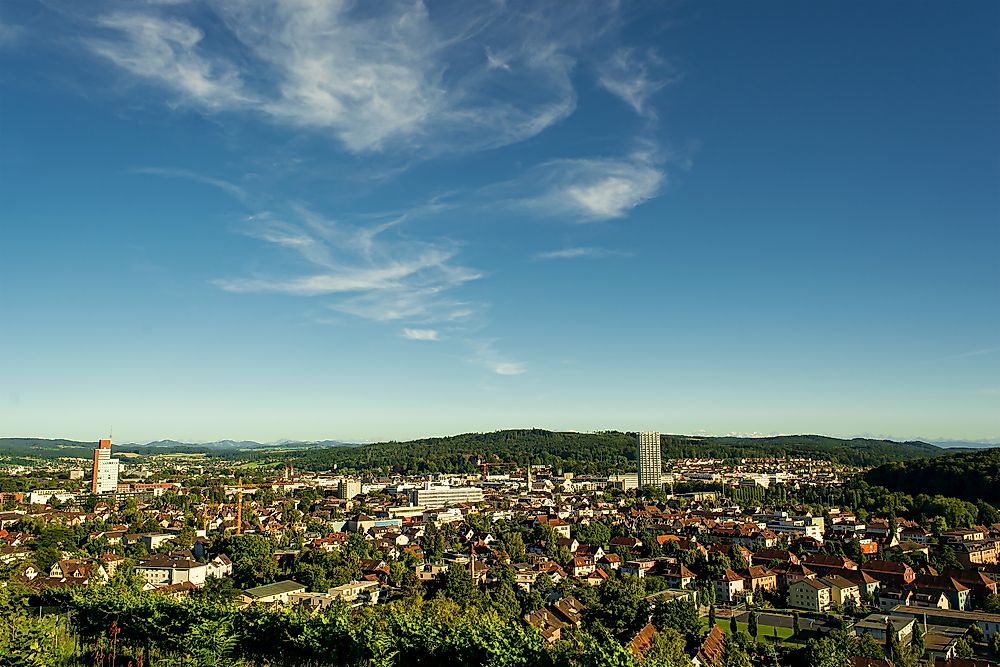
{"points": [[170, 172], [486, 355], [374, 272], [367, 271], [166, 51], [629, 75], [421, 334], [964, 355], [374, 75], [592, 189], [580, 253]]}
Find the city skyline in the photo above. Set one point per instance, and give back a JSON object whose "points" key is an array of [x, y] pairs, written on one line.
{"points": [[695, 218]]}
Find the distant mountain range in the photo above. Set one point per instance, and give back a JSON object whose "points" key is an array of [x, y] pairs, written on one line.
{"points": [[57, 448], [545, 444], [239, 444], [966, 444]]}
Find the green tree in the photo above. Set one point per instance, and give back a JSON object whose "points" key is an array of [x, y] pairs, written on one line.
{"points": [[917, 641], [869, 648], [752, 624], [831, 651], [681, 616], [734, 654], [457, 585], [623, 609], [253, 559], [892, 646], [513, 544], [963, 648], [667, 650]]}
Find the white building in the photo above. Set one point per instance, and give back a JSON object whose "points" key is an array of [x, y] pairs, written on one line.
{"points": [[434, 496], [647, 451], [348, 489], [105, 472], [164, 571]]}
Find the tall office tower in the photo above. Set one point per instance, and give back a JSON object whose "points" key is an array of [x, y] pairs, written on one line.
{"points": [[647, 454], [105, 478]]}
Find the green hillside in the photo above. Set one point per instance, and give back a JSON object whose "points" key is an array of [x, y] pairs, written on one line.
{"points": [[47, 449], [970, 476], [597, 452]]}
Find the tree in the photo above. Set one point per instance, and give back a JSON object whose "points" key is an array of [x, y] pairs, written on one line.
{"points": [[733, 627], [711, 616], [963, 648], [734, 654], [892, 646], [666, 650], [869, 648], [752, 624], [253, 559], [834, 650], [917, 641], [681, 616], [513, 544], [623, 609], [457, 585], [796, 628]]}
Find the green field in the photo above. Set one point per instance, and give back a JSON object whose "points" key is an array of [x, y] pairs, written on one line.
{"points": [[764, 632]]}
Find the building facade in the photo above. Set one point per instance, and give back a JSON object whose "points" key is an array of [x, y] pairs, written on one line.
{"points": [[105, 472], [647, 454], [433, 496]]}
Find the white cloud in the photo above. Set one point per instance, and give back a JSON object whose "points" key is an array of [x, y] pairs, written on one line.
{"points": [[373, 75], [509, 368], [167, 52], [369, 271], [486, 355], [595, 188], [169, 172], [627, 74], [577, 253], [10, 34], [421, 334]]}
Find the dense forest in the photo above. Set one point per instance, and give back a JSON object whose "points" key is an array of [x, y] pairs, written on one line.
{"points": [[970, 476], [597, 452]]}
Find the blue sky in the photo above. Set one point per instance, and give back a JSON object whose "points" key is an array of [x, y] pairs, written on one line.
{"points": [[389, 220]]}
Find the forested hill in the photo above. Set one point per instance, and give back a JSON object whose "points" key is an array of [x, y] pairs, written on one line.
{"points": [[970, 476], [597, 452]]}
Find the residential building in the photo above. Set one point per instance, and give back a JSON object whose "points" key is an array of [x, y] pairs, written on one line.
{"points": [[760, 578], [105, 470], [166, 570], [877, 624], [277, 593], [348, 489], [728, 587], [843, 591], [810, 594], [648, 459]]}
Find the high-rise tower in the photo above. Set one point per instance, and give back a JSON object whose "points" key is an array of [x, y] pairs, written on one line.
{"points": [[647, 454], [105, 477]]}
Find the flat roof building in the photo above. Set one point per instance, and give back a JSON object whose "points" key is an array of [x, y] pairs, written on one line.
{"points": [[436, 496], [105, 471], [647, 454]]}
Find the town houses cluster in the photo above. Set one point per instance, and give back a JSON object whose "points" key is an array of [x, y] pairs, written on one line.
{"points": [[171, 523]]}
